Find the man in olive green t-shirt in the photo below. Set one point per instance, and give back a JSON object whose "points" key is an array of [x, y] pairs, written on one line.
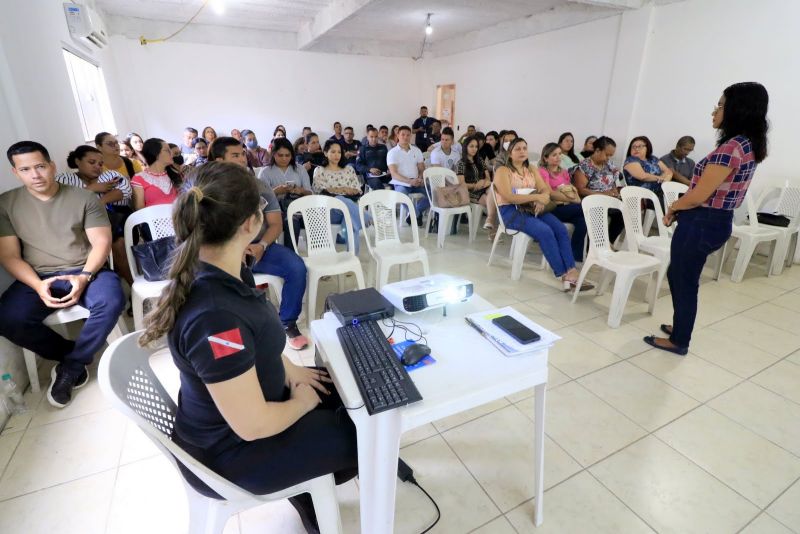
{"points": [[54, 240]]}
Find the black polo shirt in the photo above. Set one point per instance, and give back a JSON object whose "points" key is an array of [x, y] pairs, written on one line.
{"points": [[225, 328]]}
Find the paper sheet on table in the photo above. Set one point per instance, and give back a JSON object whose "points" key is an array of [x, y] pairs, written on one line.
{"points": [[509, 346]]}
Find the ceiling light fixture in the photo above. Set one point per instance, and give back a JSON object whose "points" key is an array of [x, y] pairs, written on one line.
{"points": [[428, 27], [218, 6]]}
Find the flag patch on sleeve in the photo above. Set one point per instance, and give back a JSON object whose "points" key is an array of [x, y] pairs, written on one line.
{"points": [[226, 343]]}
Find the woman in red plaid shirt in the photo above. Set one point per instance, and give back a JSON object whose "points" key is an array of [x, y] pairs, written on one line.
{"points": [[705, 212]]}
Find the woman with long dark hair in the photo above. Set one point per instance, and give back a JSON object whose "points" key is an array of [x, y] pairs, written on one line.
{"points": [[160, 182], [719, 185], [643, 169], [565, 195], [566, 141], [244, 410], [113, 160]]}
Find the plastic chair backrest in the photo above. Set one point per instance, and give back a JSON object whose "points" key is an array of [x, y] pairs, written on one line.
{"points": [[157, 218], [500, 223], [316, 212], [382, 204], [129, 383], [632, 198], [595, 211], [671, 191], [436, 177], [789, 204]]}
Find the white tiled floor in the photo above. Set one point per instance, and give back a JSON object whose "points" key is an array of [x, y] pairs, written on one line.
{"points": [[637, 440]]}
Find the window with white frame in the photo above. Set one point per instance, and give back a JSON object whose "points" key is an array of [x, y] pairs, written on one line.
{"points": [[91, 96]]}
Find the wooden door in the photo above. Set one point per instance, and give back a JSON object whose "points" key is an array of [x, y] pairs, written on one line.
{"points": [[446, 104]]}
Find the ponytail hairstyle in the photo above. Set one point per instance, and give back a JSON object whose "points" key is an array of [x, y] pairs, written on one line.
{"points": [[223, 197], [548, 149], [745, 113], [515, 142], [80, 153], [150, 152]]}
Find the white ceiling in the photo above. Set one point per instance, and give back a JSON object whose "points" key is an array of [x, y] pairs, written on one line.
{"points": [[373, 27]]}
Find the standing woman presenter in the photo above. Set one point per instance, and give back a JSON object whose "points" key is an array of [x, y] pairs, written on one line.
{"points": [[705, 213]]}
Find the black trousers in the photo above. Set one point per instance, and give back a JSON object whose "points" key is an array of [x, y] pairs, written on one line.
{"points": [[700, 232], [321, 442]]}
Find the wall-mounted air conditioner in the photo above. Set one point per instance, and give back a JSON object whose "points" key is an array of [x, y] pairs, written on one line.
{"points": [[85, 24]]}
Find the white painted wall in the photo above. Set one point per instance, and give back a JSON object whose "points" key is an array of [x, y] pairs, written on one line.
{"points": [[540, 86], [168, 86], [699, 47]]}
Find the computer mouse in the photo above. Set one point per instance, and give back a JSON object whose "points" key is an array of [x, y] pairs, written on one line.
{"points": [[414, 353]]}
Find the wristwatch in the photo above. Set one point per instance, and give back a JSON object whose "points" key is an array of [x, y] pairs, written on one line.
{"points": [[90, 274]]}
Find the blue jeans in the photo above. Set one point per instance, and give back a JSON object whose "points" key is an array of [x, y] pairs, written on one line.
{"points": [[337, 217], [283, 262], [548, 231], [573, 214], [22, 313], [422, 204], [700, 232]]}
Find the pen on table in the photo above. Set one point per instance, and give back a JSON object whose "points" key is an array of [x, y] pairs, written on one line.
{"points": [[488, 336]]}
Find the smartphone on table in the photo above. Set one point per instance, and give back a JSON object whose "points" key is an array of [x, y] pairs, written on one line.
{"points": [[516, 329]]}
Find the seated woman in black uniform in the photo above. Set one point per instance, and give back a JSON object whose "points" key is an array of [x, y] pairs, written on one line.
{"points": [[244, 410]]}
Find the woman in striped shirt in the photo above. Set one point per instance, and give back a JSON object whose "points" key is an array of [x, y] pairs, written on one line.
{"points": [[113, 190]]}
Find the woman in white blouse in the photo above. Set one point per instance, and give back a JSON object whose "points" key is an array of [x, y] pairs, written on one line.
{"points": [[340, 181]]}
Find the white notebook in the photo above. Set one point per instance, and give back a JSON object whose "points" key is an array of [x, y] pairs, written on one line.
{"points": [[482, 322]]}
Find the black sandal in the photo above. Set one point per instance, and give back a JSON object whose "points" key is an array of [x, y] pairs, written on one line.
{"points": [[680, 351]]}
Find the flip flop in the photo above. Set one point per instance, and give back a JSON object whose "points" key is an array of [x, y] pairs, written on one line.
{"points": [[667, 329], [680, 351]]}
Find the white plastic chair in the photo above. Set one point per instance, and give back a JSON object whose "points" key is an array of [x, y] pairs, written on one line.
{"points": [[750, 235], [275, 284], [789, 206], [477, 211], [323, 259], [62, 317], [388, 250], [638, 240], [626, 265], [434, 178], [672, 191], [159, 220], [130, 385], [403, 213], [519, 242]]}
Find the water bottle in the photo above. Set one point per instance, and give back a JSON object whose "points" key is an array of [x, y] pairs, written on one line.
{"points": [[12, 395]]}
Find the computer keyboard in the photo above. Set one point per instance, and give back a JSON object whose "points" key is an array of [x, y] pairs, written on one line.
{"points": [[381, 378]]}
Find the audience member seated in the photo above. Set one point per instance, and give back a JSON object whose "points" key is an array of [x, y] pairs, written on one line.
{"points": [[505, 138], [189, 135], [55, 241], [471, 131], [112, 161], [306, 131], [643, 169], [279, 131], [339, 180], [588, 146], [256, 155], [288, 180], [209, 134], [422, 127], [178, 159], [565, 195], [406, 165], [487, 151], [126, 150], [313, 156], [350, 146], [566, 142], [679, 162], [246, 412], [113, 191], [371, 162], [137, 143], [596, 175], [337, 132], [544, 228], [201, 151], [472, 172], [299, 146], [391, 141], [436, 133], [237, 134], [160, 183], [383, 134], [445, 155], [364, 139], [270, 257]]}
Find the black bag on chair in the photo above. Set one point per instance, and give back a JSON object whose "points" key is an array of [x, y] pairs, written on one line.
{"points": [[153, 257], [773, 219]]}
